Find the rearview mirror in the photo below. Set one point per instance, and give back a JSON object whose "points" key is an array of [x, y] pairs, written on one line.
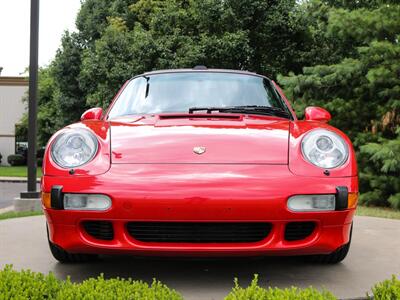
{"points": [[92, 114], [314, 113]]}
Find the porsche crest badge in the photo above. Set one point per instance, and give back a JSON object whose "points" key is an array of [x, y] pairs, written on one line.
{"points": [[199, 150]]}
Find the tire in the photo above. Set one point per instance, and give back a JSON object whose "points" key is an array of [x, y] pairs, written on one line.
{"points": [[335, 257], [65, 257]]}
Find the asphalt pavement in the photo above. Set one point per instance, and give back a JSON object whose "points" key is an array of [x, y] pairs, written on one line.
{"points": [[10, 190], [374, 256]]}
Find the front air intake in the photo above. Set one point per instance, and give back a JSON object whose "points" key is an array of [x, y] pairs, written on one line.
{"points": [[195, 232], [296, 231], [101, 230]]}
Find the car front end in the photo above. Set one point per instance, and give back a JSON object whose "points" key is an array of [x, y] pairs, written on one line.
{"points": [[225, 183]]}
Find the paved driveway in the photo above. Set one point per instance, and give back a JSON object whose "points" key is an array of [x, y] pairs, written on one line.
{"points": [[374, 256], [10, 190]]}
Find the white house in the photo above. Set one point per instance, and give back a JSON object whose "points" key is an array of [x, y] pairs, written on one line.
{"points": [[12, 91]]}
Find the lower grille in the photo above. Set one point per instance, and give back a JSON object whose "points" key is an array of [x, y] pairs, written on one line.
{"points": [[101, 230], [189, 232], [296, 231]]}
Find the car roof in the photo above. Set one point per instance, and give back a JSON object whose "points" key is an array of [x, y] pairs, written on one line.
{"points": [[200, 70]]}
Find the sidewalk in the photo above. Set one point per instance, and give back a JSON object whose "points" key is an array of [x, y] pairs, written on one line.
{"points": [[16, 179]]}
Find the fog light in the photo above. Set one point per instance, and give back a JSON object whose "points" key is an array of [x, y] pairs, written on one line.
{"points": [[86, 202], [311, 203]]}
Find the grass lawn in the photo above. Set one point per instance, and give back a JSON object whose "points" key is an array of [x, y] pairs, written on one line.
{"points": [[20, 171], [379, 212], [14, 214]]}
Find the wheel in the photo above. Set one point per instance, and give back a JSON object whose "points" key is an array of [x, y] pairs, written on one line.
{"points": [[65, 257], [335, 257]]}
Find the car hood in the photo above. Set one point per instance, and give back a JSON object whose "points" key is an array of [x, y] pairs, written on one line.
{"points": [[183, 139]]}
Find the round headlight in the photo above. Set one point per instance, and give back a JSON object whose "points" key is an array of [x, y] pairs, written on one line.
{"points": [[325, 149], [73, 148]]}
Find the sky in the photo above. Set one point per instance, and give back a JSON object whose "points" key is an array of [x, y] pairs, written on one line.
{"points": [[56, 16]]}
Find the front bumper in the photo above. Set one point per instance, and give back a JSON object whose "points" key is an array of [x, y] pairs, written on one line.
{"points": [[199, 193]]}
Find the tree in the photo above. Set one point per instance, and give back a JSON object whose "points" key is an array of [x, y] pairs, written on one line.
{"points": [[361, 91], [65, 70]]}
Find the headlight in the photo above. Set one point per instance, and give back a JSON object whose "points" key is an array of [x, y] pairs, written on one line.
{"points": [[73, 148], [325, 149]]}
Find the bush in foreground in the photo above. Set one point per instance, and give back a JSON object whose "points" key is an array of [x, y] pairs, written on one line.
{"points": [[32, 285], [255, 292], [35, 286], [387, 290]]}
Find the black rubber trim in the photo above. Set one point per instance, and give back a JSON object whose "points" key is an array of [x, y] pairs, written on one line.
{"points": [[57, 197], [342, 194]]}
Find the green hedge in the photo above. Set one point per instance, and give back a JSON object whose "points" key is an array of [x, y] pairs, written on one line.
{"points": [[32, 286], [255, 292], [387, 290], [16, 160]]}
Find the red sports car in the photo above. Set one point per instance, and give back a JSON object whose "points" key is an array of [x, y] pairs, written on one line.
{"points": [[200, 162]]}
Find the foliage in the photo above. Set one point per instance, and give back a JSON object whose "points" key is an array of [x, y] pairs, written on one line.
{"points": [[1, 156], [380, 176], [26, 284], [39, 161], [255, 292], [387, 290], [362, 93], [31, 285], [16, 160]]}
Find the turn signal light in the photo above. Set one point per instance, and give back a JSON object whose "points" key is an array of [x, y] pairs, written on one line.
{"points": [[46, 200], [352, 200]]}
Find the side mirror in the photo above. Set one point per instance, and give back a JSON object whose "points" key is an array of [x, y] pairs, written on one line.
{"points": [[92, 114], [313, 113]]}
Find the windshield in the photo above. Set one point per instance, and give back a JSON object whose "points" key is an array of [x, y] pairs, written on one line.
{"points": [[178, 92]]}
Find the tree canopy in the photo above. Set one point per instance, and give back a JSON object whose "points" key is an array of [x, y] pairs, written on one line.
{"points": [[362, 91]]}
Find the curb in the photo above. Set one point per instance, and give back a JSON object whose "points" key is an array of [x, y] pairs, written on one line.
{"points": [[27, 204], [16, 179], [6, 209]]}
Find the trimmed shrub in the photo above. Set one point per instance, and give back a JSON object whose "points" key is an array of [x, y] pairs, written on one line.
{"points": [[16, 160], [387, 290], [40, 152], [32, 285], [254, 292]]}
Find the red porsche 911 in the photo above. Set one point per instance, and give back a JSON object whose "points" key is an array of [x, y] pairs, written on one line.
{"points": [[200, 162]]}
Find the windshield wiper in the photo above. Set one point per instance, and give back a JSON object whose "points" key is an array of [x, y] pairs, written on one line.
{"points": [[246, 109]]}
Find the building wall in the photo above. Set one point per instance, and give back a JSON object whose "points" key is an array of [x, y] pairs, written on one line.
{"points": [[12, 91]]}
